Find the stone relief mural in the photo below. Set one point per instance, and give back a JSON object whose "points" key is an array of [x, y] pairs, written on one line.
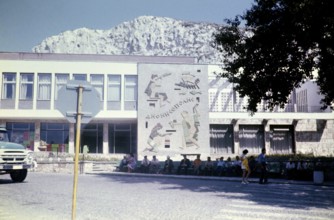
{"points": [[172, 109]]}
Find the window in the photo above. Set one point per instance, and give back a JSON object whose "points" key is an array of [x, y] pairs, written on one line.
{"points": [[81, 77], [302, 101], [92, 137], [61, 80], [122, 138], [114, 88], [55, 136], [22, 133], [282, 139], [44, 86], [251, 137], [130, 93], [130, 88], [221, 139], [8, 88], [27, 85], [97, 83]]}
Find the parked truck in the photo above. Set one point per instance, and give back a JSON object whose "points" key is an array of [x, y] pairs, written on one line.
{"points": [[15, 159]]}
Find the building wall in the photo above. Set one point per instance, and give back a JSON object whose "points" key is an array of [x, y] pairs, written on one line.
{"points": [[211, 101], [173, 109], [315, 137]]}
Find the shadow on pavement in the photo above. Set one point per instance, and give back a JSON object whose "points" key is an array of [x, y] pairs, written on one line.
{"points": [[281, 195]]}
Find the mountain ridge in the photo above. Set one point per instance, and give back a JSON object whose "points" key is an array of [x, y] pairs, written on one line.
{"points": [[145, 35]]}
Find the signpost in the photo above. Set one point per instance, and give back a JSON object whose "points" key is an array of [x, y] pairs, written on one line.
{"points": [[87, 105]]}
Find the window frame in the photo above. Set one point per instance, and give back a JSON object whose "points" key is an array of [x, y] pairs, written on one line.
{"points": [[29, 93], [58, 85], [6, 83], [43, 83], [132, 85], [98, 84], [114, 85]]}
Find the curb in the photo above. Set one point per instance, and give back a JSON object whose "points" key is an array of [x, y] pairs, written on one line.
{"points": [[229, 179]]}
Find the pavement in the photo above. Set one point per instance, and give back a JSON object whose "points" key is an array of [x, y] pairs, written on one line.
{"points": [[216, 178]]}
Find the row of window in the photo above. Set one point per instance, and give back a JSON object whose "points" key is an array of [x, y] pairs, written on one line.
{"points": [[123, 137], [55, 136], [44, 85], [251, 137]]}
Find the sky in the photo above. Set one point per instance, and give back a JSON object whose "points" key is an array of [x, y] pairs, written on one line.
{"points": [[26, 23]]}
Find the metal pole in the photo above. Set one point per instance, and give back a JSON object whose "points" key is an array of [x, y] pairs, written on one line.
{"points": [[77, 146]]}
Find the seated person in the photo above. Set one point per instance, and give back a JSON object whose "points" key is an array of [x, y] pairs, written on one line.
{"points": [[184, 165], [155, 165], [168, 166], [122, 167], [221, 168], [229, 166], [236, 166], [132, 163], [208, 167], [145, 165], [197, 165]]}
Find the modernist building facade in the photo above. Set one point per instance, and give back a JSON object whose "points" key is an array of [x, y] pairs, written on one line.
{"points": [[153, 106]]}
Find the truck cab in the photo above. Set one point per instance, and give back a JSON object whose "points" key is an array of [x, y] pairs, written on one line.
{"points": [[15, 159]]}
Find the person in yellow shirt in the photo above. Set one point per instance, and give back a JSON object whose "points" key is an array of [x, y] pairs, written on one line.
{"points": [[245, 167], [197, 165]]}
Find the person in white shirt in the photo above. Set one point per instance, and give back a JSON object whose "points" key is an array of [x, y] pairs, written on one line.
{"points": [[221, 168], [145, 165], [155, 165]]}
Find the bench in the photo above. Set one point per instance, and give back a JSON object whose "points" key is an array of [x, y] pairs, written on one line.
{"points": [[190, 155]]}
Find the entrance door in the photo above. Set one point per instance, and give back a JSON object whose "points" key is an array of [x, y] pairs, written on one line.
{"points": [[92, 136], [122, 138], [122, 142], [282, 139]]}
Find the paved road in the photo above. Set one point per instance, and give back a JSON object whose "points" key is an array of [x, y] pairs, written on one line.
{"points": [[49, 196]]}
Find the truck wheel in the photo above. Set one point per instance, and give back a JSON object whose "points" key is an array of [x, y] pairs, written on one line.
{"points": [[18, 175]]}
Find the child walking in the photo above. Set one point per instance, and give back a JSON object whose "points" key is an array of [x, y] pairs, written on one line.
{"points": [[245, 167]]}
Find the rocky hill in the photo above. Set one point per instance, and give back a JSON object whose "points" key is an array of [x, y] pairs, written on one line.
{"points": [[145, 35]]}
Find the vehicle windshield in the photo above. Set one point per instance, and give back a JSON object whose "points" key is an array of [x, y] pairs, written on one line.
{"points": [[12, 146], [3, 136]]}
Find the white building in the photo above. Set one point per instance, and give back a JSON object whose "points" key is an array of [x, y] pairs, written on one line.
{"points": [[153, 106]]}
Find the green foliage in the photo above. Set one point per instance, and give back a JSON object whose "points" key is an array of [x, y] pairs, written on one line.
{"points": [[281, 46], [96, 157], [297, 157]]}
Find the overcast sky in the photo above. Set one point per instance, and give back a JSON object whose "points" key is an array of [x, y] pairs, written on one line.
{"points": [[25, 23]]}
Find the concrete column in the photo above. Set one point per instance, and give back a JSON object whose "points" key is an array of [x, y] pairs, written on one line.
{"points": [[266, 135], [236, 136], [71, 138], [37, 136], [105, 149]]}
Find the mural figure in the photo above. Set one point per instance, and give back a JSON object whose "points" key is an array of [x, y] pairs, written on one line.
{"points": [[189, 130], [153, 90], [196, 119], [153, 140]]}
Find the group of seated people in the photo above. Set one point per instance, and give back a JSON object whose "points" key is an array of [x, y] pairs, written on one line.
{"points": [[298, 170], [220, 167], [129, 164]]}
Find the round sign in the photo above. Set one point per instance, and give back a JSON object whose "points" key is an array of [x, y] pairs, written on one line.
{"points": [[67, 101]]}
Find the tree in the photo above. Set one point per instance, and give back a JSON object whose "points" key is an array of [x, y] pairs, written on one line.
{"points": [[283, 43]]}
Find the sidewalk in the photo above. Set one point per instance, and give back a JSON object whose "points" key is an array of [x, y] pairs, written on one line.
{"points": [[215, 178]]}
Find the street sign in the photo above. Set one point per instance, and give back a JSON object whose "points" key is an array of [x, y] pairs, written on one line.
{"points": [[67, 101], [79, 102]]}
